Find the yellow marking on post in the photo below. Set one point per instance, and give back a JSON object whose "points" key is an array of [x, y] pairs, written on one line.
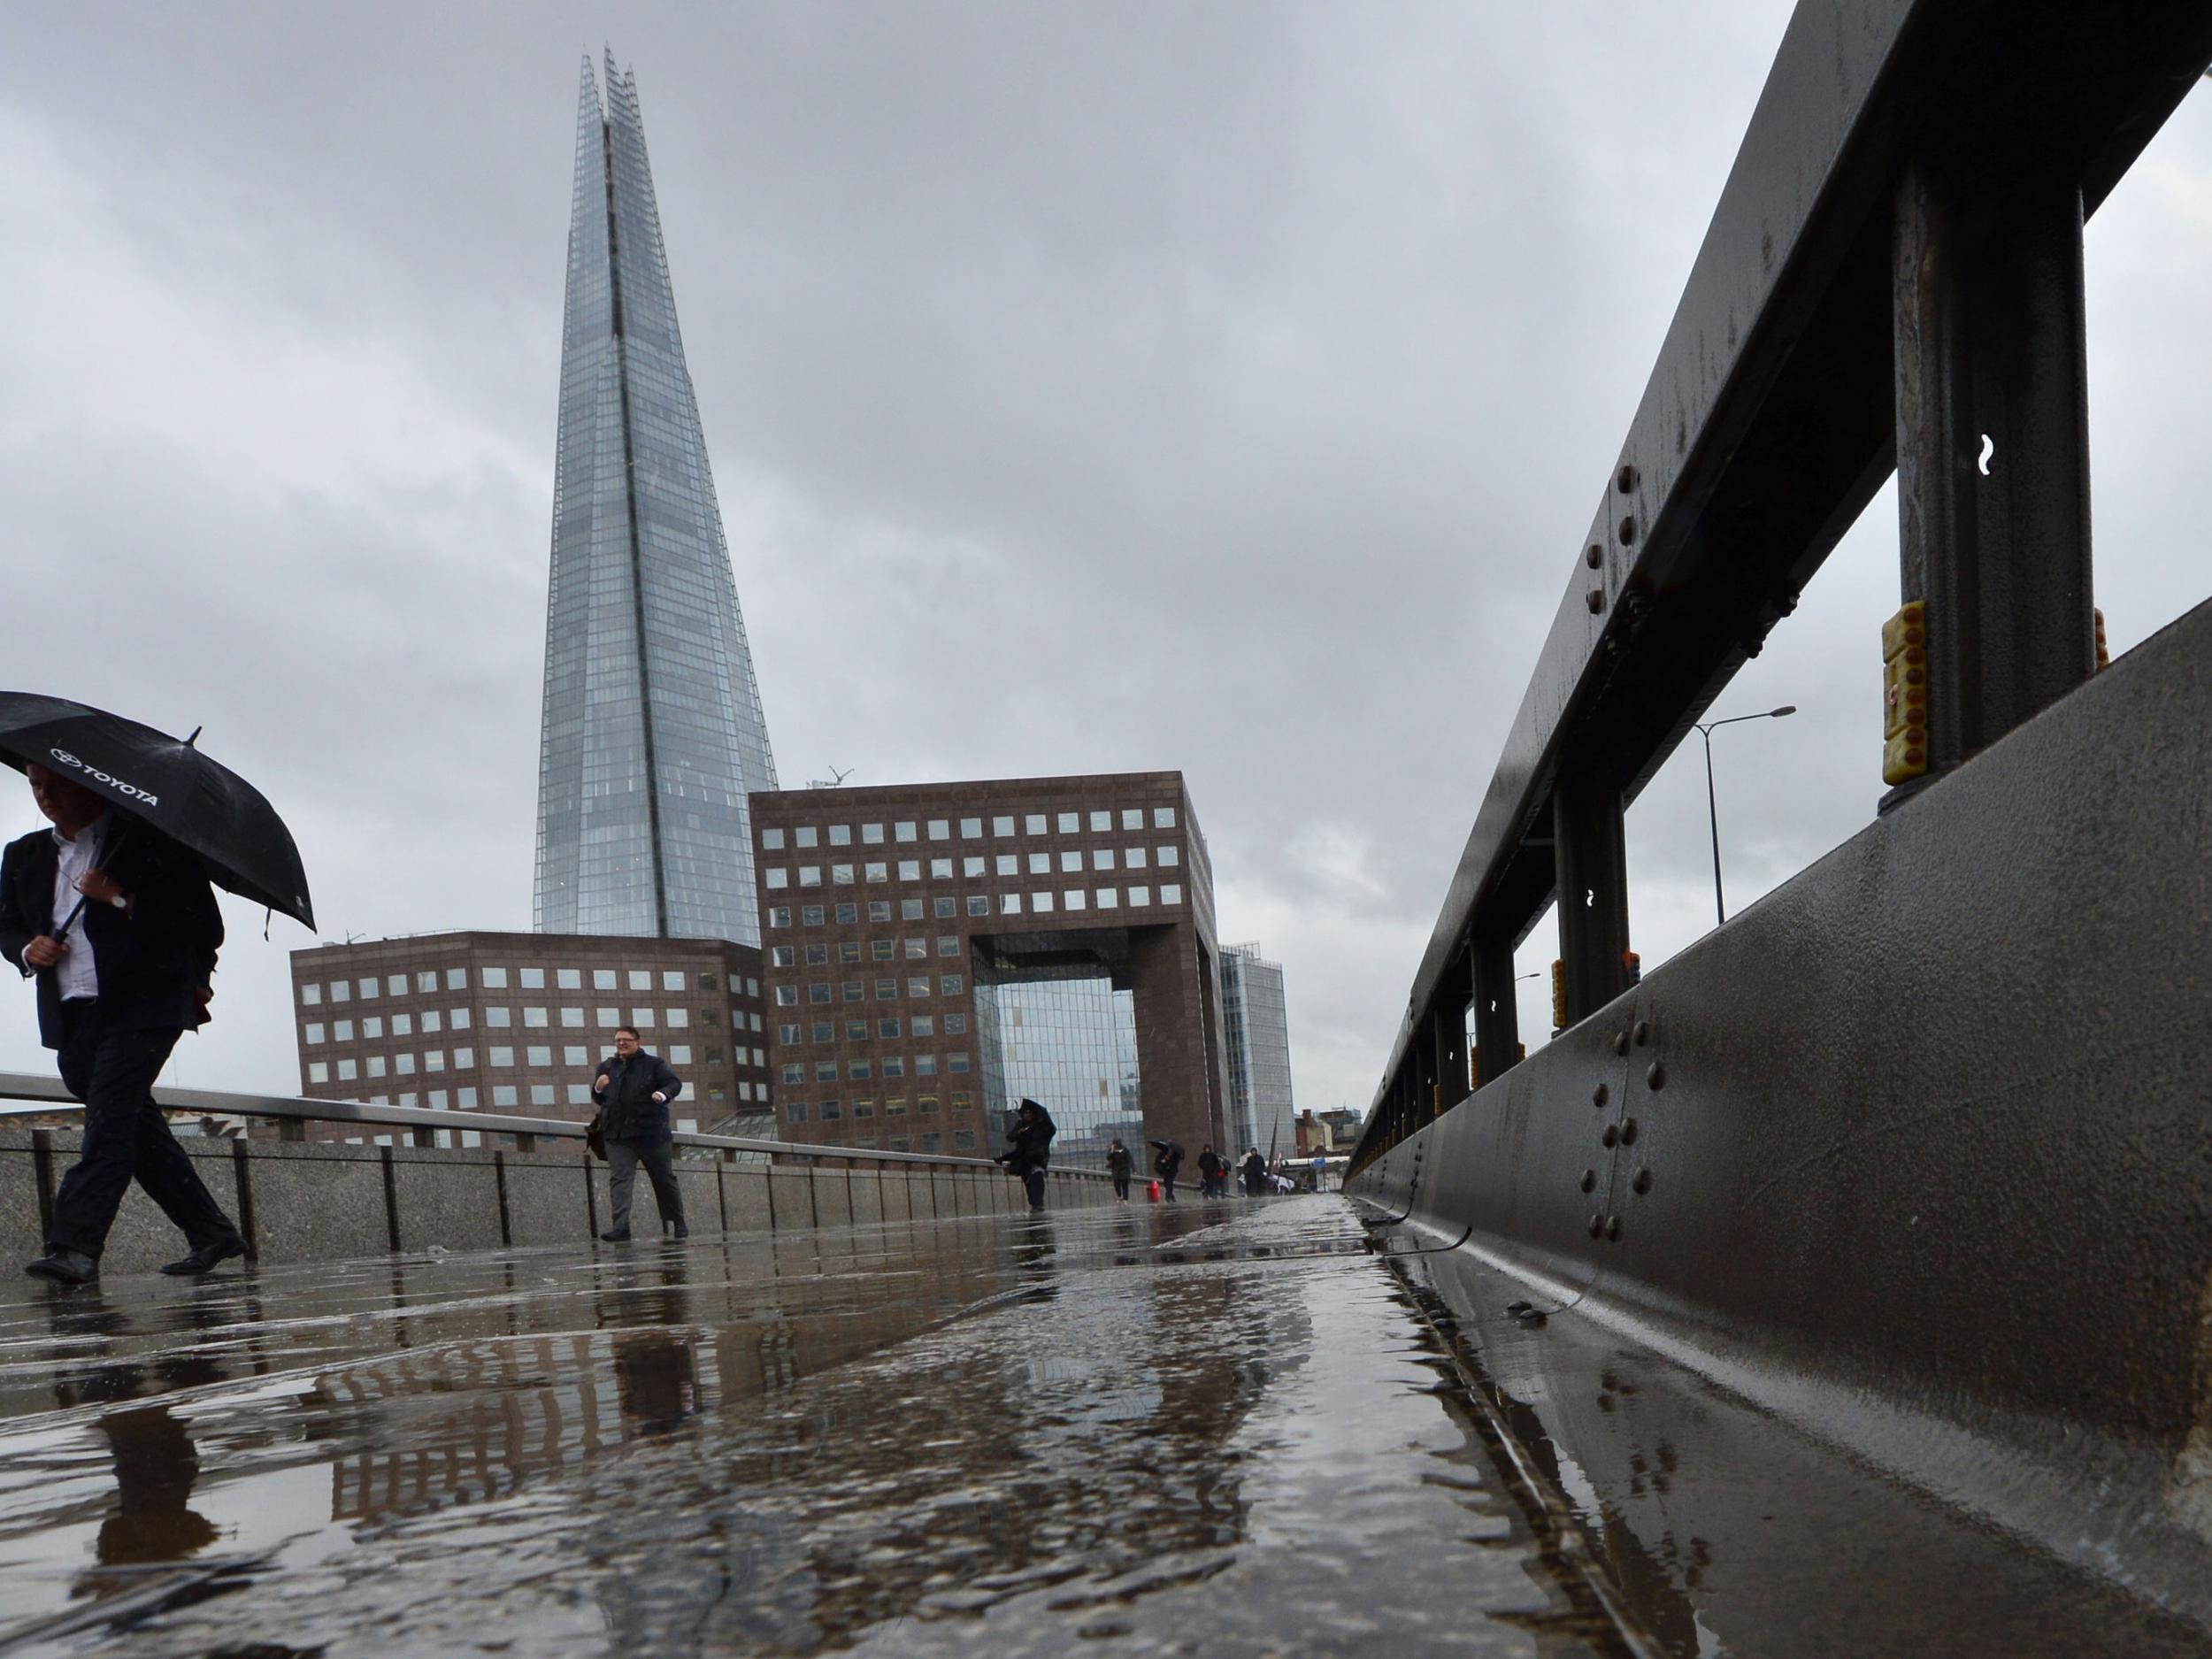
{"points": [[1905, 694]]}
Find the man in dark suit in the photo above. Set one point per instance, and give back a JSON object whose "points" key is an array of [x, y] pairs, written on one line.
{"points": [[115, 992], [633, 1090]]}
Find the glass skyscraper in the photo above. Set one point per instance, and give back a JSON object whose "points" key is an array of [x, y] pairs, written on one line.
{"points": [[653, 735], [1256, 1025]]}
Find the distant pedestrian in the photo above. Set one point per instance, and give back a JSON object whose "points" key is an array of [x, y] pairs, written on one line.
{"points": [[1119, 1166], [1255, 1169], [1029, 1148], [115, 992], [633, 1091], [1210, 1170], [1167, 1158]]}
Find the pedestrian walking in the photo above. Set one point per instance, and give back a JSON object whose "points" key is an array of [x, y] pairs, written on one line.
{"points": [[1210, 1170], [1255, 1169], [1029, 1148], [633, 1091], [1167, 1158], [1118, 1165], [118, 925]]}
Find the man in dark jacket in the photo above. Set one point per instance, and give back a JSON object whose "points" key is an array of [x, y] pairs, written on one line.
{"points": [[116, 989], [633, 1091], [1210, 1170], [1118, 1165], [1029, 1148], [1255, 1169], [1167, 1159]]}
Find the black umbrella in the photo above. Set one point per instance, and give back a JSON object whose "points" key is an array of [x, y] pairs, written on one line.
{"points": [[150, 775]]}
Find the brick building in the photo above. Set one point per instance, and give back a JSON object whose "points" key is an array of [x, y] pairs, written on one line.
{"points": [[907, 930], [514, 1022]]}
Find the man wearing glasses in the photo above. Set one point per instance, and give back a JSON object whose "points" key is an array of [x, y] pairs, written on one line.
{"points": [[633, 1091]]}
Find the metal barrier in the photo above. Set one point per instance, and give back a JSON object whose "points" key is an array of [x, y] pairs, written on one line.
{"points": [[1892, 279], [530, 1184], [293, 1112]]}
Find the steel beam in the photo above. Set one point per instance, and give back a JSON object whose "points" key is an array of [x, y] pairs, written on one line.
{"points": [[1769, 417]]}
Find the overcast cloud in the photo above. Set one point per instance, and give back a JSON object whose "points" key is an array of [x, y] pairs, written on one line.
{"points": [[1223, 388]]}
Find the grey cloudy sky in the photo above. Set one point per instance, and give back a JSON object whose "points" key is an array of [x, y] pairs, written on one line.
{"points": [[1090, 387]]}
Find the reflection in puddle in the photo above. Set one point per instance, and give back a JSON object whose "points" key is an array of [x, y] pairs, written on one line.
{"points": [[909, 1440]]}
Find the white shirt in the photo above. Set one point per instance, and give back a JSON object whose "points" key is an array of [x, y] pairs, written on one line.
{"points": [[76, 972]]}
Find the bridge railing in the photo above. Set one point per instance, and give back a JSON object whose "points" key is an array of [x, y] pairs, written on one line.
{"points": [[292, 1114], [526, 1182], [1892, 280]]}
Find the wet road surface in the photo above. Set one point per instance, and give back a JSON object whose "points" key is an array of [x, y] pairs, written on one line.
{"points": [[1214, 1428]]}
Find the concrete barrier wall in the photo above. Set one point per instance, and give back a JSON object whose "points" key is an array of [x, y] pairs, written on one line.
{"points": [[310, 1200]]}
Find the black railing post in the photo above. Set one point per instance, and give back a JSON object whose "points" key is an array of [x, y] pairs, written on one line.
{"points": [[1590, 854], [1497, 1015], [1993, 450]]}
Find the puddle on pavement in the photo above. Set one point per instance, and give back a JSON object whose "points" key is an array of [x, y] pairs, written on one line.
{"points": [[989, 1435]]}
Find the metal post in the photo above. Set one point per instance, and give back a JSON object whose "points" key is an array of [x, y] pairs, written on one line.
{"points": [[1590, 853], [1712, 812], [1993, 450], [1497, 1016], [1449, 1020]]}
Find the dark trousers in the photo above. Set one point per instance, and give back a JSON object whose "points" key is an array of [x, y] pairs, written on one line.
{"points": [[1121, 1186], [1167, 1184], [622, 1157], [1034, 1184], [125, 1135]]}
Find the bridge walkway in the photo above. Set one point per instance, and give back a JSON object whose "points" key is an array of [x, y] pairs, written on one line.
{"points": [[1217, 1428]]}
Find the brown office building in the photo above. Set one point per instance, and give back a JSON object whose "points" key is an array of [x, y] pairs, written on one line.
{"points": [[514, 1023], [936, 951]]}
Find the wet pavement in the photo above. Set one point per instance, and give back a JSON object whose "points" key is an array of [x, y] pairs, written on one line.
{"points": [[1220, 1428]]}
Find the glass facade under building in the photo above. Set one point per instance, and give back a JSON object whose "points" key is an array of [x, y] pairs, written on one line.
{"points": [[1255, 1022], [653, 734], [1072, 1045]]}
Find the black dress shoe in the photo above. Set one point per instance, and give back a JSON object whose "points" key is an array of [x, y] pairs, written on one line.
{"points": [[680, 1231], [64, 1267], [204, 1259], [619, 1235]]}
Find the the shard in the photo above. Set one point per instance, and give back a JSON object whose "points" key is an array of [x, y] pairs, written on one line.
{"points": [[653, 735]]}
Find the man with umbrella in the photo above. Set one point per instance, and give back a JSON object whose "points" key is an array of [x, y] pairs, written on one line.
{"points": [[1029, 1148], [111, 910], [118, 925]]}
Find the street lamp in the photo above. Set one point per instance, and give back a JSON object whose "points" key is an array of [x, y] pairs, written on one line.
{"points": [[1705, 729]]}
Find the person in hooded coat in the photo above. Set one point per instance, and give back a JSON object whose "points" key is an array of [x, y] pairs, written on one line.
{"points": [[1168, 1158], [1254, 1168], [1119, 1164], [1029, 1148]]}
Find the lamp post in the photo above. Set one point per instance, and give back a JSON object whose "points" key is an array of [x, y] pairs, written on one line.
{"points": [[1705, 729]]}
